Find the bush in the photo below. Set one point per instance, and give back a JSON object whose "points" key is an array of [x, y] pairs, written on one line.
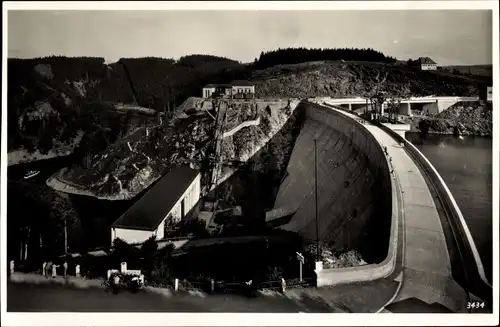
{"points": [[161, 273]]}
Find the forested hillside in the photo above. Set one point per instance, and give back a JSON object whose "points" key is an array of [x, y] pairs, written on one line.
{"points": [[300, 55], [53, 100], [165, 83]]}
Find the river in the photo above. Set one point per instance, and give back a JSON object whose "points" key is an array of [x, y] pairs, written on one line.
{"points": [[465, 164]]}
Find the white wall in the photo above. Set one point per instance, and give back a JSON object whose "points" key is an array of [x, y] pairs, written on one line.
{"points": [[429, 67], [190, 196], [160, 231], [130, 235], [445, 104], [208, 91], [243, 89]]}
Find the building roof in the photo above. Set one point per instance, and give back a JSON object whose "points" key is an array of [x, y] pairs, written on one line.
{"points": [[233, 83], [148, 212], [241, 83], [426, 61]]}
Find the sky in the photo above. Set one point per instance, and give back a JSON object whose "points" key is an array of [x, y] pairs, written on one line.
{"points": [[449, 37]]}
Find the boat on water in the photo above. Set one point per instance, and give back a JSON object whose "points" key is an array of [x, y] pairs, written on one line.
{"points": [[31, 174]]}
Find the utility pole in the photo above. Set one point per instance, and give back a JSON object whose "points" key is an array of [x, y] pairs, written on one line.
{"points": [[316, 199], [65, 236]]}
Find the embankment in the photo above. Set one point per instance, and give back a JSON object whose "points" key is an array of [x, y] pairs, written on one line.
{"points": [[353, 183]]}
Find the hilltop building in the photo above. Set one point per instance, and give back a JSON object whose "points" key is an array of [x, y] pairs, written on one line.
{"points": [[172, 197], [424, 63], [236, 89]]}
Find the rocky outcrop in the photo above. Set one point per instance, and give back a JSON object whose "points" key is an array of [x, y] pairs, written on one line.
{"points": [[463, 118], [129, 166], [339, 79]]}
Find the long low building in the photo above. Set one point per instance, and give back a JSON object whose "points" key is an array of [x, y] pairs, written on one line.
{"points": [[172, 197]]}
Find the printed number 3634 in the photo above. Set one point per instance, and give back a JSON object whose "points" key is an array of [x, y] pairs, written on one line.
{"points": [[475, 305]]}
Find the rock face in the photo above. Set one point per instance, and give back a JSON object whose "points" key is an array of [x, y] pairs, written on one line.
{"points": [[130, 165], [356, 79], [464, 118]]}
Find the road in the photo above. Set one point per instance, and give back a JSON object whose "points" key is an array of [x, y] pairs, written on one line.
{"points": [[49, 297], [34, 293]]}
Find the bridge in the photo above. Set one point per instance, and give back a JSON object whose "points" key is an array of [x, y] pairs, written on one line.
{"points": [[430, 104]]}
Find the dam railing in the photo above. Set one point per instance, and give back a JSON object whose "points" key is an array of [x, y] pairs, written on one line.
{"points": [[475, 282]]}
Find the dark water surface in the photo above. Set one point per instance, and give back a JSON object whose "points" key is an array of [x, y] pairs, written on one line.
{"points": [[465, 163]]}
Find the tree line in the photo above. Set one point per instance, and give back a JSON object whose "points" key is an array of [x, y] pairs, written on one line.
{"points": [[300, 55]]}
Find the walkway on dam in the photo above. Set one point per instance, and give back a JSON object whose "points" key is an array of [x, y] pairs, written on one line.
{"points": [[427, 269]]}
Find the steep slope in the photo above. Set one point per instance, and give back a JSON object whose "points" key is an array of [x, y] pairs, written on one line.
{"points": [[131, 164], [54, 99], [337, 78]]}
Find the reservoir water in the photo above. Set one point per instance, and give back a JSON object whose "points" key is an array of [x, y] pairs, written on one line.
{"points": [[465, 164]]}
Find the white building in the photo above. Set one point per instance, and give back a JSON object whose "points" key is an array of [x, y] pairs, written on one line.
{"points": [[236, 87], [172, 197], [209, 90], [427, 64], [244, 87]]}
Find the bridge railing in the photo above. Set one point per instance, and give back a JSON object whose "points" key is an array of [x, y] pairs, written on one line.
{"points": [[475, 281]]}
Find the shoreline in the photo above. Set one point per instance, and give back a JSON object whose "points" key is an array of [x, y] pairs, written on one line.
{"points": [[22, 156], [451, 133], [55, 183]]}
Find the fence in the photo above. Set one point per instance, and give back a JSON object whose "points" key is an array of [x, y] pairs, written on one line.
{"points": [[474, 279], [213, 286]]}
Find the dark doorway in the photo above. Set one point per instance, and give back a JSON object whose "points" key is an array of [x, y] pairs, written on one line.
{"points": [[183, 213]]}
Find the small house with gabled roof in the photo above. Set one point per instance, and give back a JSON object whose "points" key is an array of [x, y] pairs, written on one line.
{"points": [[426, 63]]}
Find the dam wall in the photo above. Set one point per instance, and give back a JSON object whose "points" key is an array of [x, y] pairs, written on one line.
{"points": [[353, 181]]}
